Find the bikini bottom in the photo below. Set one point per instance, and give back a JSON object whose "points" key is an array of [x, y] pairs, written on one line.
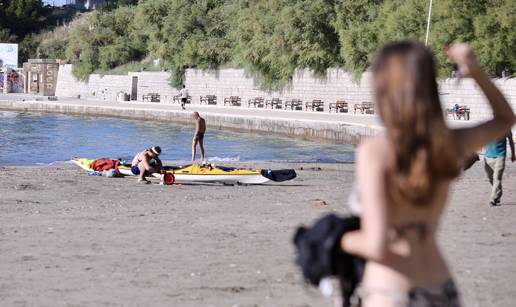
{"points": [[443, 295]]}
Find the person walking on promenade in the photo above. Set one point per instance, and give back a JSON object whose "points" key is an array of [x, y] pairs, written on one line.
{"points": [[404, 175], [200, 129], [183, 93], [494, 164]]}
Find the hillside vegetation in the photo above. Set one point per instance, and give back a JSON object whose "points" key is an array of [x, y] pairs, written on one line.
{"points": [[270, 39]]}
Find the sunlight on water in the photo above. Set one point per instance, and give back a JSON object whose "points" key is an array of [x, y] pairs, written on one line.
{"points": [[42, 138]]}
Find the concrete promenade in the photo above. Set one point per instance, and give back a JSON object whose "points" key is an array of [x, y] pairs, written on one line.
{"points": [[342, 128]]}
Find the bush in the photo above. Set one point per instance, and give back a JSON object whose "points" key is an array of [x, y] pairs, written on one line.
{"points": [[271, 39], [52, 44], [104, 41]]}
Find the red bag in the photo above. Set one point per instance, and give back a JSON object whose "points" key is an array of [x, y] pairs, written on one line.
{"points": [[103, 164]]}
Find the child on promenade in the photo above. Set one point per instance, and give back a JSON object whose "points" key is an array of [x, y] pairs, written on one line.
{"points": [[183, 93], [404, 176]]}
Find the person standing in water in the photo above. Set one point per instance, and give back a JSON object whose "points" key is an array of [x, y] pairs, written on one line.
{"points": [[183, 93], [146, 163], [200, 129], [404, 175], [494, 165]]}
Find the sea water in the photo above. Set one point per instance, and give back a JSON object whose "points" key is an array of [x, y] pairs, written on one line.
{"points": [[43, 138]]}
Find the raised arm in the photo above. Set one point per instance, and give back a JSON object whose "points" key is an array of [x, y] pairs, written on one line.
{"points": [[472, 139], [370, 241]]}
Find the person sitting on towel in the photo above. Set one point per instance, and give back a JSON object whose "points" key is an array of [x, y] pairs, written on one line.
{"points": [[146, 163]]}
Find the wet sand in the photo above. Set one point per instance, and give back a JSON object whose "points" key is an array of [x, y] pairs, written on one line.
{"points": [[68, 239]]}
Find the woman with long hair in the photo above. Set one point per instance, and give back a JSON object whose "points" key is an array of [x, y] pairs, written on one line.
{"points": [[404, 175]]}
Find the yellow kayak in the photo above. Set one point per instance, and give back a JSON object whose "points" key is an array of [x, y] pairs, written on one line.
{"points": [[208, 173]]}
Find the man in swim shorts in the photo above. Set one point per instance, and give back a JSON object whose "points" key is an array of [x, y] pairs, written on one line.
{"points": [[146, 163], [200, 129]]}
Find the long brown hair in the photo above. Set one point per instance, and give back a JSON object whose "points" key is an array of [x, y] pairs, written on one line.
{"points": [[408, 101]]}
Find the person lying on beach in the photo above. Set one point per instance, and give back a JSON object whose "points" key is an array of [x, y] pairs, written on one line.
{"points": [[200, 129], [146, 163], [404, 175]]}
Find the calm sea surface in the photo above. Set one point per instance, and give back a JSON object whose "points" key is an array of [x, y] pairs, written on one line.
{"points": [[42, 138]]}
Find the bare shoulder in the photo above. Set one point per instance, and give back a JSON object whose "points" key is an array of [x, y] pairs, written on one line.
{"points": [[373, 152], [377, 146]]}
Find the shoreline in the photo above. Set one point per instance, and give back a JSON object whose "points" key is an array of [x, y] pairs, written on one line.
{"points": [[336, 128], [239, 163], [339, 128]]}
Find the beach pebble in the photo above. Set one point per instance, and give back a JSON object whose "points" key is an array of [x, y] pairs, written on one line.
{"points": [[320, 203], [28, 258]]}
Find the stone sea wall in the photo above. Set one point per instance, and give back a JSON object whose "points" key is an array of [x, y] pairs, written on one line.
{"points": [[307, 129], [98, 86], [337, 85]]}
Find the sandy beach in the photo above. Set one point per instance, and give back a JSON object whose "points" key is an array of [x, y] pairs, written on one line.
{"points": [[68, 239]]}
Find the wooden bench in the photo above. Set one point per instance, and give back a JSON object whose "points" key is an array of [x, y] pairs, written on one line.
{"points": [[177, 99], [233, 101], [274, 103], [294, 104], [339, 106], [458, 112], [315, 105], [256, 102], [208, 99], [151, 97], [364, 108]]}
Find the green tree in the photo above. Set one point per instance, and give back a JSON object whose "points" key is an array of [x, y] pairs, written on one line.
{"points": [[358, 32], [104, 41], [52, 44], [114, 4], [274, 38], [187, 33], [148, 24], [6, 36], [495, 36], [21, 16], [401, 19], [271, 39], [452, 21]]}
